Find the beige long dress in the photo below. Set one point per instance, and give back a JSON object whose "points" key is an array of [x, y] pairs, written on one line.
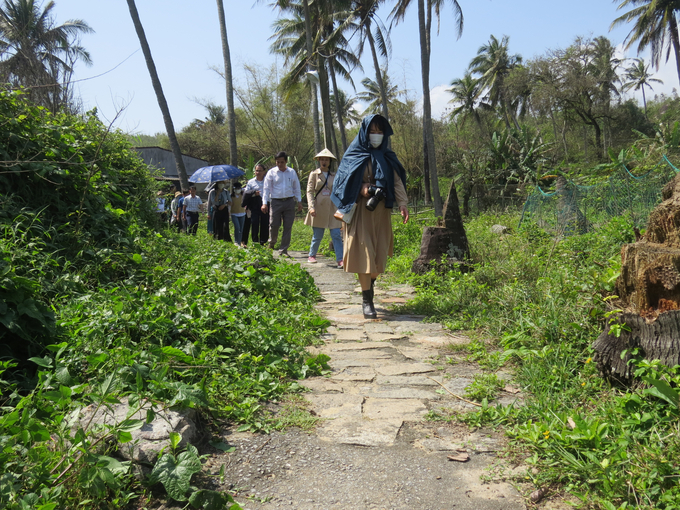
{"points": [[368, 238], [319, 199]]}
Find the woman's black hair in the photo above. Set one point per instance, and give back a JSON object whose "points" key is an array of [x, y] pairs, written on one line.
{"points": [[378, 121]]}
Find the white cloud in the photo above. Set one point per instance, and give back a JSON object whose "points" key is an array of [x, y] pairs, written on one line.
{"points": [[439, 100]]}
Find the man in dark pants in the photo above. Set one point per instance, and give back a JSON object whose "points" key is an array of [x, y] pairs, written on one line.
{"points": [[253, 193], [192, 203], [281, 190]]}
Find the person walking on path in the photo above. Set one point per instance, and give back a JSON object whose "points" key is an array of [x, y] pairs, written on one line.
{"points": [[370, 181], [281, 190], [218, 211], [176, 211], [192, 205], [320, 213], [252, 196], [238, 213]]}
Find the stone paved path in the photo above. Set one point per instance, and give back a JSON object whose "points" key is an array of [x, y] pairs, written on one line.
{"points": [[384, 372], [372, 448]]}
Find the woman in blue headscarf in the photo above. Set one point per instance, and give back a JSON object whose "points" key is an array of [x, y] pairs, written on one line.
{"points": [[370, 181]]}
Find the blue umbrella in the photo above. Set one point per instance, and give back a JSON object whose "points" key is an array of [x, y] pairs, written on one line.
{"points": [[216, 173]]}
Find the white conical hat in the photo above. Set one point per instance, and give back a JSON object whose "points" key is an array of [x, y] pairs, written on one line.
{"points": [[325, 154]]}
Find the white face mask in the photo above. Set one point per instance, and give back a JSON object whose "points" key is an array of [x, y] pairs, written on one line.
{"points": [[375, 139], [237, 191], [220, 186]]}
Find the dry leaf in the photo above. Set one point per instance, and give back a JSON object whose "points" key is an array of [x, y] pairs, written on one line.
{"points": [[571, 424], [511, 389]]}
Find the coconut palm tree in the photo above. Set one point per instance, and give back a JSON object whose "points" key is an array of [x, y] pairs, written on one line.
{"points": [[160, 97], [348, 112], [231, 115], [425, 12], [465, 93], [638, 77], [372, 29], [329, 53], [374, 94], [36, 52], [655, 26], [492, 64]]}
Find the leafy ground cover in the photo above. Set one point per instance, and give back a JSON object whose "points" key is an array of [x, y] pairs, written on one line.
{"points": [[534, 304], [99, 303]]}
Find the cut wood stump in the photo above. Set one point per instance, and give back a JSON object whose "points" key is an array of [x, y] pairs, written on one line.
{"points": [[443, 248], [648, 291]]}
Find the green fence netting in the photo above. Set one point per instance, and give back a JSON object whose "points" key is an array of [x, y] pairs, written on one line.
{"points": [[574, 209]]}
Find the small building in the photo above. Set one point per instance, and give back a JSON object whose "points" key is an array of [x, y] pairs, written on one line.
{"points": [[164, 160]]}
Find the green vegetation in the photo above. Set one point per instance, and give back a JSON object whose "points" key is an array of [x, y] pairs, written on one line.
{"points": [[96, 307], [534, 305]]}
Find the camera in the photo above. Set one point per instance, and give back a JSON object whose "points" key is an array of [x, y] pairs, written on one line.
{"points": [[376, 195]]}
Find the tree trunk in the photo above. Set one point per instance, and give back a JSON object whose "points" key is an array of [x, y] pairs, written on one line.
{"points": [[675, 40], [378, 73], [162, 103], [426, 172], [329, 133], [427, 108], [231, 114], [338, 110], [311, 67], [648, 289]]}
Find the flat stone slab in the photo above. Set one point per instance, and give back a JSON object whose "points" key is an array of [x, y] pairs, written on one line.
{"points": [[384, 337], [349, 335], [457, 385], [322, 385], [407, 380], [358, 374], [416, 353], [340, 364], [361, 432], [336, 405], [392, 409], [402, 393], [378, 327], [357, 346], [458, 339], [437, 340], [369, 354], [351, 317], [405, 369]]}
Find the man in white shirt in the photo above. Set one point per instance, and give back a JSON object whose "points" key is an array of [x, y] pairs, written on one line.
{"points": [[281, 190]]}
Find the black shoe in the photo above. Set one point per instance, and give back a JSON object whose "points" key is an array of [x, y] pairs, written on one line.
{"points": [[367, 305]]}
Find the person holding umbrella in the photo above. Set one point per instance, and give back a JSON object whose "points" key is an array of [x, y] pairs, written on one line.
{"points": [[320, 214], [218, 211]]}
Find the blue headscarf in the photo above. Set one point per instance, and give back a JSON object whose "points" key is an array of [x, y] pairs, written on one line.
{"points": [[349, 177]]}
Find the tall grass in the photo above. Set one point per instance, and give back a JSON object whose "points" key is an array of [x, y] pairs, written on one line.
{"points": [[538, 303]]}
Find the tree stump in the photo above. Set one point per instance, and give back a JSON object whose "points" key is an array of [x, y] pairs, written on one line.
{"points": [[648, 291], [447, 246]]}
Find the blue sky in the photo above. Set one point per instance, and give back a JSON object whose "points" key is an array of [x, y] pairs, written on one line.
{"points": [[185, 43]]}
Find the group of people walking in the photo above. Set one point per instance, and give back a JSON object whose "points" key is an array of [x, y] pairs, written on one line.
{"points": [[353, 201]]}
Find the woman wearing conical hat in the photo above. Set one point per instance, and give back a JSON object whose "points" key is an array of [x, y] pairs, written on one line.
{"points": [[320, 214]]}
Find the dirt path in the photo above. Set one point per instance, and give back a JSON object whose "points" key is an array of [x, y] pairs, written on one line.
{"points": [[372, 449]]}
